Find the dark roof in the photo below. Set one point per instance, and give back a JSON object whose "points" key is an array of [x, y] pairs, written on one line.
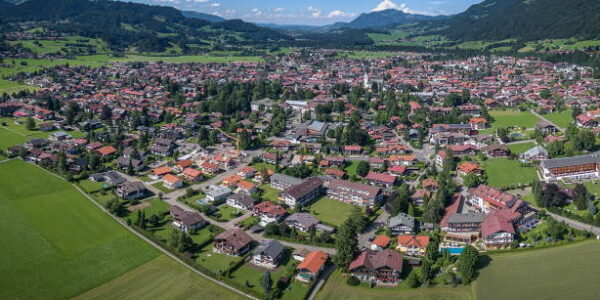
{"points": [[300, 190], [237, 238], [470, 217], [271, 248], [571, 161], [304, 219], [373, 260]]}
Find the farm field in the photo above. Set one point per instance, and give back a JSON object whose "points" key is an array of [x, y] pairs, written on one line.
{"points": [[13, 134], [336, 288], [562, 119], [330, 211], [511, 118], [553, 273], [520, 148], [161, 278], [55, 242], [503, 172]]}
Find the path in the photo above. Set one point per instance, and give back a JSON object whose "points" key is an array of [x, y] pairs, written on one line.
{"points": [[576, 224], [322, 279], [520, 142], [544, 119]]}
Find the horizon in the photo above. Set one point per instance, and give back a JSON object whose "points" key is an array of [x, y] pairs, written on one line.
{"points": [[309, 13]]}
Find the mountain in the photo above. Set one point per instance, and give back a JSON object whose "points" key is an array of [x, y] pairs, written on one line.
{"points": [[124, 25], [525, 19], [5, 4], [290, 27], [384, 18], [202, 16]]}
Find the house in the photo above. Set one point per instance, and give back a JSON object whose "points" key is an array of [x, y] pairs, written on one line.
{"points": [[247, 172], [171, 181], [536, 153], [486, 198], [381, 179], [268, 254], [467, 167], [402, 224], [162, 147], [311, 267], [268, 212], [586, 121], [496, 231], [303, 193], [380, 242], [352, 150], [234, 242], [302, 221], [354, 192], [106, 151], [300, 254], [192, 174], [546, 127], [217, 193], [160, 172], [132, 190], [430, 184], [186, 220], [246, 187], [383, 267], [497, 151], [412, 244], [209, 168], [241, 201], [110, 177], [418, 197], [281, 181]]}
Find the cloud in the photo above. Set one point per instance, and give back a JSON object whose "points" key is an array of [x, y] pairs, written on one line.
{"points": [[338, 13], [215, 4], [314, 12], [385, 4], [278, 9]]}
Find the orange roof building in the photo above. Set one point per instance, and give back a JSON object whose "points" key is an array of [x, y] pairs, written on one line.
{"points": [[413, 245], [106, 150], [160, 171], [312, 265], [381, 242]]}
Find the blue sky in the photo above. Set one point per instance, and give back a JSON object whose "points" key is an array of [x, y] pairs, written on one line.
{"points": [[310, 12]]}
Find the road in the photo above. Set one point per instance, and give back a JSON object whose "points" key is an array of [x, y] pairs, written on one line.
{"points": [[543, 118], [576, 224], [363, 238]]}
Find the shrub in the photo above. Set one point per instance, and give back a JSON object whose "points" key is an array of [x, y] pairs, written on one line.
{"points": [[352, 281]]}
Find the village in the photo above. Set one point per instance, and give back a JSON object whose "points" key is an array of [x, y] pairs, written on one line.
{"points": [[312, 164]]}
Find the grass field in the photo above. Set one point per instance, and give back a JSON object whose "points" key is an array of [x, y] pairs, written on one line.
{"points": [[331, 211], [520, 148], [336, 288], [555, 273], [54, 241], [269, 193], [161, 278], [13, 134], [512, 118], [503, 172], [561, 119]]}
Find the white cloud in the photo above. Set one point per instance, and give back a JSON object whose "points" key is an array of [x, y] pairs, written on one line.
{"points": [[314, 12], [215, 4], [337, 13], [385, 4], [278, 9]]}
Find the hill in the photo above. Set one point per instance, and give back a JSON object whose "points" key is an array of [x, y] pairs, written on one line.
{"points": [[385, 18], [131, 25], [525, 19], [202, 16]]}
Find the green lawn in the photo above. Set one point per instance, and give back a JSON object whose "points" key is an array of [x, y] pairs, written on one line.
{"points": [[91, 186], [561, 119], [161, 187], [269, 193], [13, 134], [331, 211], [511, 118], [161, 278], [351, 169], [263, 165], [55, 242], [215, 261], [520, 148], [336, 288], [503, 172], [566, 272], [227, 213]]}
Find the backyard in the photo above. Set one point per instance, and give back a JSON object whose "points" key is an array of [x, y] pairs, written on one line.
{"points": [[561, 119], [521, 147]]}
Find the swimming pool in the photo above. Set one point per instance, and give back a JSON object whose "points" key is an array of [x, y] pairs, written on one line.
{"points": [[452, 250]]}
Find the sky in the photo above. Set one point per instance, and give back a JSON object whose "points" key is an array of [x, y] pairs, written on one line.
{"points": [[310, 12]]}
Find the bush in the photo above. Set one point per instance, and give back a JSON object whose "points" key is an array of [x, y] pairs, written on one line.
{"points": [[352, 281]]}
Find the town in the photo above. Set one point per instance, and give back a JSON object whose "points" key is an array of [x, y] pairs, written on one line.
{"points": [[281, 179]]}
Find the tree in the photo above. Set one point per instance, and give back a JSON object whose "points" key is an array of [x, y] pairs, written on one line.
{"points": [[466, 264], [473, 180], [400, 200], [581, 196], [266, 282], [346, 244], [412, 280], [362, 168], [30, 124]]}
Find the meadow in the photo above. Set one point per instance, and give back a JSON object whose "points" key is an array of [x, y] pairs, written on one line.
{"points": [[554, 273], [331, 211], [161, 278], [561, 119], [513, 118], [521, 147], [503, 172]]}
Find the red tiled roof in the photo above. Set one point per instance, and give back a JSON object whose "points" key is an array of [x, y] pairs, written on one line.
{"points": [[314, 261]]}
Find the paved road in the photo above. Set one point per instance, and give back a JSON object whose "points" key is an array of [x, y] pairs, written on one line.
{"points": [[576, 224], [543, 118], [322, 280], [521, 142], [363, 238]]}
